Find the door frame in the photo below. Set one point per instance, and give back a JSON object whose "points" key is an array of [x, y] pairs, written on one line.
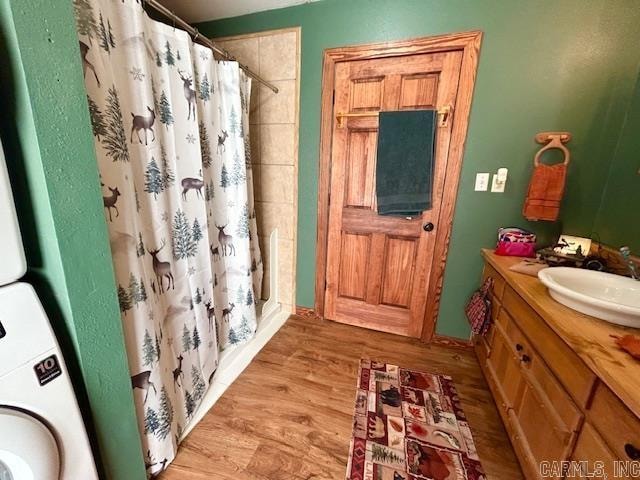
{"points": [[469, 44]]}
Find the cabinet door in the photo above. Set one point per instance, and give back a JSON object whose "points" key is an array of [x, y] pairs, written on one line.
{"points": [[546, 438], [504, 366], [497, 290], [618, 425], [557, 402], [592, 456], [495, 295]]}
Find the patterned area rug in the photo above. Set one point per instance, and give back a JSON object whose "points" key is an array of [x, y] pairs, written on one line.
{"points": [[409, 426]]}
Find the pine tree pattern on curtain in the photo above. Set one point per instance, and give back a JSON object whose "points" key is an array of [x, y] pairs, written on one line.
{"points": [[171, 136], [256, 259]]}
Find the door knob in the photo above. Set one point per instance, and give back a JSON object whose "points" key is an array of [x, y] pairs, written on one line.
{"points": [[427, 227]]}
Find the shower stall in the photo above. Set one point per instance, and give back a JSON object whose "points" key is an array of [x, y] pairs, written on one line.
{"points": [[172, 134]]}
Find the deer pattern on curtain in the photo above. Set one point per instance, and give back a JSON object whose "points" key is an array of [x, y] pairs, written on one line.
{"points": [[171, 136]]}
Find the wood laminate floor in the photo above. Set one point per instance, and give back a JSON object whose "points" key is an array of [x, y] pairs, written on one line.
{"points": [[289, 415]]}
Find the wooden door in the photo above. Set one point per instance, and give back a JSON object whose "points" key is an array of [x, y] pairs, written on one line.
{"points": [[379, 267]]}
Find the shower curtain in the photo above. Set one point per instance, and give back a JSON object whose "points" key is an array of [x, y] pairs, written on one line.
{"points": [[171, 135]]}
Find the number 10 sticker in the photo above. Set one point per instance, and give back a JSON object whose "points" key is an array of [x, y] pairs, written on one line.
{"points": [[47, 370]]}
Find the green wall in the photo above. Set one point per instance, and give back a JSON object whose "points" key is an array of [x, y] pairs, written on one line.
{"points": [[49, 147], [545, 65], [618, 221]]}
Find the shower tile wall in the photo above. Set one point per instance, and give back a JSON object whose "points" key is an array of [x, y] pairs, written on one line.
{"points": [[275, 56]]}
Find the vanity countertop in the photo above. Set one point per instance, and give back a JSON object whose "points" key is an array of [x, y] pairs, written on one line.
{"points": [[588, 337]]}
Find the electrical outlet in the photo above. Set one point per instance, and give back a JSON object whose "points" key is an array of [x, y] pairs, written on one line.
{"points": [[482, 182]]}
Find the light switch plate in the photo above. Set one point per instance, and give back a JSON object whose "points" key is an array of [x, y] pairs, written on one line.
{"points": [[482, 182], [496, 186]]}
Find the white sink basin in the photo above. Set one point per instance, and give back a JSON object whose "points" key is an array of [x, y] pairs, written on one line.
{"points": [[609, 297]]}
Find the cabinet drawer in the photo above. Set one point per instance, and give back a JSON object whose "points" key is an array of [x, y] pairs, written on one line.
{"points": [[577, 379], [498, 281], [555, 400], [592, 455], [616, 423]]}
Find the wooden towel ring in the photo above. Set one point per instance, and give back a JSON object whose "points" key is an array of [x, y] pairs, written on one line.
{"points": [[553, 140]]}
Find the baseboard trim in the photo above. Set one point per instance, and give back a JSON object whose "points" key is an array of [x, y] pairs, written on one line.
{"points": [[453, 342], [307, 312]]}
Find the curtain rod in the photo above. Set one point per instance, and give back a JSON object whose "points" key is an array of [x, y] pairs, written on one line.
{"points": [[197, 37]]}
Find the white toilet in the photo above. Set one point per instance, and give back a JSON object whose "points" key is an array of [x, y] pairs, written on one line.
{"points": [[42, 436]]}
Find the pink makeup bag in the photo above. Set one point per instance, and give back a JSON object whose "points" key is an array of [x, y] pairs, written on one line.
{"points": [[516, 242]]}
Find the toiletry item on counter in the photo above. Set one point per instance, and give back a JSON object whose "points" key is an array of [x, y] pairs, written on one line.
{"points": [[530, 266], [478, 310], [516, 242]]}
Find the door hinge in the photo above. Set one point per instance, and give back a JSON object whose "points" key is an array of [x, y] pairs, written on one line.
{"points": [[333, 100]]}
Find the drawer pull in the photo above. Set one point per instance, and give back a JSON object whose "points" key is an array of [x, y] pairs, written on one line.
{"points": [[519, 347], [525, 358], [632, 452]]}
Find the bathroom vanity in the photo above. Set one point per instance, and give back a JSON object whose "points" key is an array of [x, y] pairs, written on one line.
{"points": [[563, 388]]}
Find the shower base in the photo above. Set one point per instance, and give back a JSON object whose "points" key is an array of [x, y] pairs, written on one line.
{"points": [[234, 360]]}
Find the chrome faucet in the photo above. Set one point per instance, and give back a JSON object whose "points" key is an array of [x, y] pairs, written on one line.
{"points": [[625, 252]]}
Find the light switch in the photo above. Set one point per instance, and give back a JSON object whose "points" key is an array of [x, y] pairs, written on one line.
{"points": [[497, 186], [482, 182], [499, 180]]}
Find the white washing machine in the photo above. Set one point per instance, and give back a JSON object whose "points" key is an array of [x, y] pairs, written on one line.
{"points": [[42, 436]]}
